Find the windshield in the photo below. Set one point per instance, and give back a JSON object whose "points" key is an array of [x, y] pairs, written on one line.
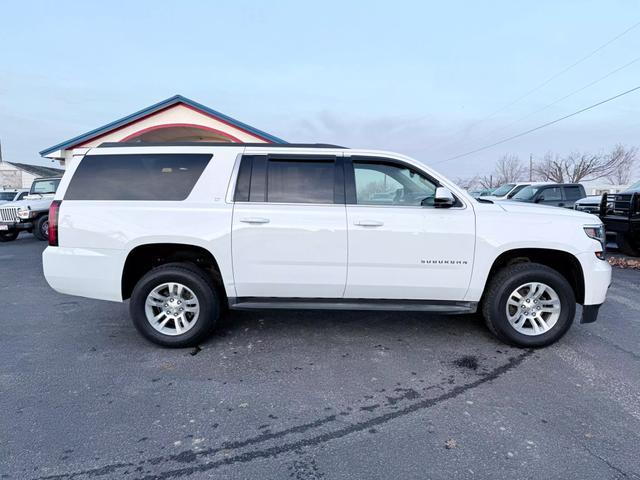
{"points": [[527, 193], [7, 196], [42, 187], [503, 190]]}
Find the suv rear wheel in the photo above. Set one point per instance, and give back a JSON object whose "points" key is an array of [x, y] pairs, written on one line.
{"points": [[529, 305], [175, 305], [8, 236], [41, 228]]}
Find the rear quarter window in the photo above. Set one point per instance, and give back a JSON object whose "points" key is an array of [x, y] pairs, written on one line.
{"points": [[136, 177], [573, 193]]}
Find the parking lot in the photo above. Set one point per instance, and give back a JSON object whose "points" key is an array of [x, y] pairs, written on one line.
{"points": [[309, 395]]}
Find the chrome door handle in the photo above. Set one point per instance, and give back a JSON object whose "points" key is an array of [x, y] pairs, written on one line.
{"points": [[368, 223], [255, 220]]}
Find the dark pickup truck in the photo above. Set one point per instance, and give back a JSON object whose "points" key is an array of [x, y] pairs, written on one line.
{"points": [[620, 213]]}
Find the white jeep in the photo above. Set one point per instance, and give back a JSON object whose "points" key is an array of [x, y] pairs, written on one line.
{"points": [[186, 231], [30, 213]]}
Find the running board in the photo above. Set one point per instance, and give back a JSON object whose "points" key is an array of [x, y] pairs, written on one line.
{"points": [[433, 306]]}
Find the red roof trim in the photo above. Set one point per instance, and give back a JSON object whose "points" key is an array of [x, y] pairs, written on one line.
{"points": [[192, 125], [225, 122]]}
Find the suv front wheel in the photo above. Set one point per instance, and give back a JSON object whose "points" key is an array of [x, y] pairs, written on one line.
{"points": [[175, 305], [529, 305]]}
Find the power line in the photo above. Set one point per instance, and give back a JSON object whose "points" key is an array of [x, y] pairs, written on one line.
{"points": [[512, 137], [563, 71], [553, 77], [555, 102]]}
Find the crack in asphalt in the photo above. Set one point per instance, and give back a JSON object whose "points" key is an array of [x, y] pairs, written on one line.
{"points": [[189, 456], [609, 464]]}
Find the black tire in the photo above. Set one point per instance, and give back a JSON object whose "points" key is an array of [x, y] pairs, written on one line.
{"points": [[506, 281], [197, 281], [41, 228], [627, 245], [9, 236]]}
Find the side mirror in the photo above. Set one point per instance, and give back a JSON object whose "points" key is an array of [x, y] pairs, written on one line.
{"points": [[540, 199], [443, 198]]}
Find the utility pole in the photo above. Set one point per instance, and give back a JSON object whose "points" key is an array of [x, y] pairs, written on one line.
{"points": [[531, 167]]}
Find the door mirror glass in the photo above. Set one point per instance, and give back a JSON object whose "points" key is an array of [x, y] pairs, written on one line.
{"points": [[540, 199], [443, 198]]}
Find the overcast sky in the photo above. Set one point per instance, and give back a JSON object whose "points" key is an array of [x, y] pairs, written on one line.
{"points": [[419, 78]]}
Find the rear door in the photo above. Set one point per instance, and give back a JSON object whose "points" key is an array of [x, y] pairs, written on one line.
{"points": [[289, 235], [400, 245]]}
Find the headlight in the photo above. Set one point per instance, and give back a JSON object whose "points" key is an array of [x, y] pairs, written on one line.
{"points": [[597, 233], [24, 213]]}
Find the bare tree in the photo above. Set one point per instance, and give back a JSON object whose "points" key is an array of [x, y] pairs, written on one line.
{"points": [[577, 166], [488, 181], [467, 183], [509, 169], [549, 169], [627, 159]]}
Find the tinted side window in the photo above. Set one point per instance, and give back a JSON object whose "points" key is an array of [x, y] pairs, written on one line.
{"points": [[295, 181], [553, 194], [243, 183], [136, 177], [573, 193]]}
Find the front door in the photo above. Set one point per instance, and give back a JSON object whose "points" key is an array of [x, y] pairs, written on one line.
{"points": [[400, 245], [289, 235]]}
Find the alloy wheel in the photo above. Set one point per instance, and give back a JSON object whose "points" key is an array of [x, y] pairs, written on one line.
{"points": [[172, 308], [533, 308]]}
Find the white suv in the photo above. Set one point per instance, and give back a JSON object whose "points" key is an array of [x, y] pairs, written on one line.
{"points": [[186, 231]]}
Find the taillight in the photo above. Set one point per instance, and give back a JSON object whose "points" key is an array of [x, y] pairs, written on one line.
{"points": [[54, 214]]}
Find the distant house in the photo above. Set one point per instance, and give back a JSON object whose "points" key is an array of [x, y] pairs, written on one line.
{"points": [[175, 119], [20, 175], [598, 187]]}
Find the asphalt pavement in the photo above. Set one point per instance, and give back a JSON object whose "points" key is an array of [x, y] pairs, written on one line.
{"points": [[309, 395]]}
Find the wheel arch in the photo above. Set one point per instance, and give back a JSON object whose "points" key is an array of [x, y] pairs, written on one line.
{"points": [[143, 258], [561, 261]]}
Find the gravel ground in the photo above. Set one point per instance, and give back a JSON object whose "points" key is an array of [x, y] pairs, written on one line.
{"points": [[309, 395]]}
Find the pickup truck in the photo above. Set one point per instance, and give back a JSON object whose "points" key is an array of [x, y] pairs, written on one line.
{"points": [[620, 213], [186, 231], [31, 213]]}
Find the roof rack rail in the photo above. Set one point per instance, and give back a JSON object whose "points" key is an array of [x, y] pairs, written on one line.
{"points": [[218, 144]]}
